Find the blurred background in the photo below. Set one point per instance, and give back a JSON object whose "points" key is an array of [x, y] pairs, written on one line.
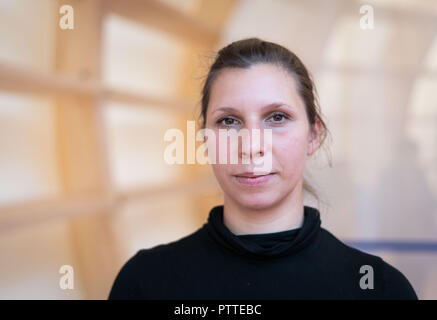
{"points": [[83, 113]]}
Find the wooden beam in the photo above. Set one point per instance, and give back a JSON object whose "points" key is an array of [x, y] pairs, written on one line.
{"points": [[217, 13], [159, 15], [23, 80], [173, 104], [82, 148], [198, 58], [200, 184], [34, 212]]}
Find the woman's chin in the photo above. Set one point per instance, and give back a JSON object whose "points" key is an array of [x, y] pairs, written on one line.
{"points": [[256, 201]]}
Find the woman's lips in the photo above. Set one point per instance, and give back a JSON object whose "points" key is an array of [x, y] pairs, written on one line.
{"points": [[254, 180]]}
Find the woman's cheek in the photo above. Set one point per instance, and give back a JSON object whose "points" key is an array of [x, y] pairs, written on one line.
{"points": [[214, 145], [222, 175], [290, 153]]}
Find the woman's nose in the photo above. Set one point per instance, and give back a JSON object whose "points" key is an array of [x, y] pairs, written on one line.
{"points": [[252, 144]]}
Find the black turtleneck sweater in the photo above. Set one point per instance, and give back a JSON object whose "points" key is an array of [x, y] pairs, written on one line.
{"points": [[303, 263]]}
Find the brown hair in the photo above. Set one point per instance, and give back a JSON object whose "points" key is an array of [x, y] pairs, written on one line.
{"points": [[247, 52]]}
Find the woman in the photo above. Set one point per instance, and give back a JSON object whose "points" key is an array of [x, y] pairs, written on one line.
{"points": [[262, 243]]}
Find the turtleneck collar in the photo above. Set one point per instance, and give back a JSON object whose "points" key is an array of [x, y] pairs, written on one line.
{"points": [[265, 245]]}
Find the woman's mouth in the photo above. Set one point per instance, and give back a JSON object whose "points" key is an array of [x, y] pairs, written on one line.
{"points": [[249, 179]]}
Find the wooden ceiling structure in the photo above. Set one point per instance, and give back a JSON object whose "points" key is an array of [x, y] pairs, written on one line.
{"points": [[89, 199]]}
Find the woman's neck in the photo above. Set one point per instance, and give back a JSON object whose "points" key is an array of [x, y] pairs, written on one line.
{"points": [[287, 214]]}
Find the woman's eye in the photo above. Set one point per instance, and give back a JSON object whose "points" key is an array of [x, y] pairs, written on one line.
{"points": [[226, 121], [275, 118], [278, 117]]}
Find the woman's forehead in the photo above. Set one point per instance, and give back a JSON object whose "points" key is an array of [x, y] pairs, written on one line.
{"points": [[255, 88]]}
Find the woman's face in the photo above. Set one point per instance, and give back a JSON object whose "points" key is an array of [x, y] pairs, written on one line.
{"points": [[262, 97]]}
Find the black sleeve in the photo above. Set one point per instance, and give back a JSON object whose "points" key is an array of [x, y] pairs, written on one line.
{"points": [[396, 285], [127, 283]]}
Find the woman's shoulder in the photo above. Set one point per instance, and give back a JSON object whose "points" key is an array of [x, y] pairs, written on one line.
{"points": [[330, 243], [163, 252], [147, 262], [391, 281]]}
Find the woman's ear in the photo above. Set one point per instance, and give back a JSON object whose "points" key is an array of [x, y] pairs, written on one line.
{"points": [[314, 137]]}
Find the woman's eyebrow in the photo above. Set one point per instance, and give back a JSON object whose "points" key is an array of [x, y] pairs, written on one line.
{"points": [[226, 109], [263, 109], [275, 105]]}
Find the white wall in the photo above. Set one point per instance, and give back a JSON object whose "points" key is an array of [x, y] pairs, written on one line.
{"points": [[377, 90]]}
